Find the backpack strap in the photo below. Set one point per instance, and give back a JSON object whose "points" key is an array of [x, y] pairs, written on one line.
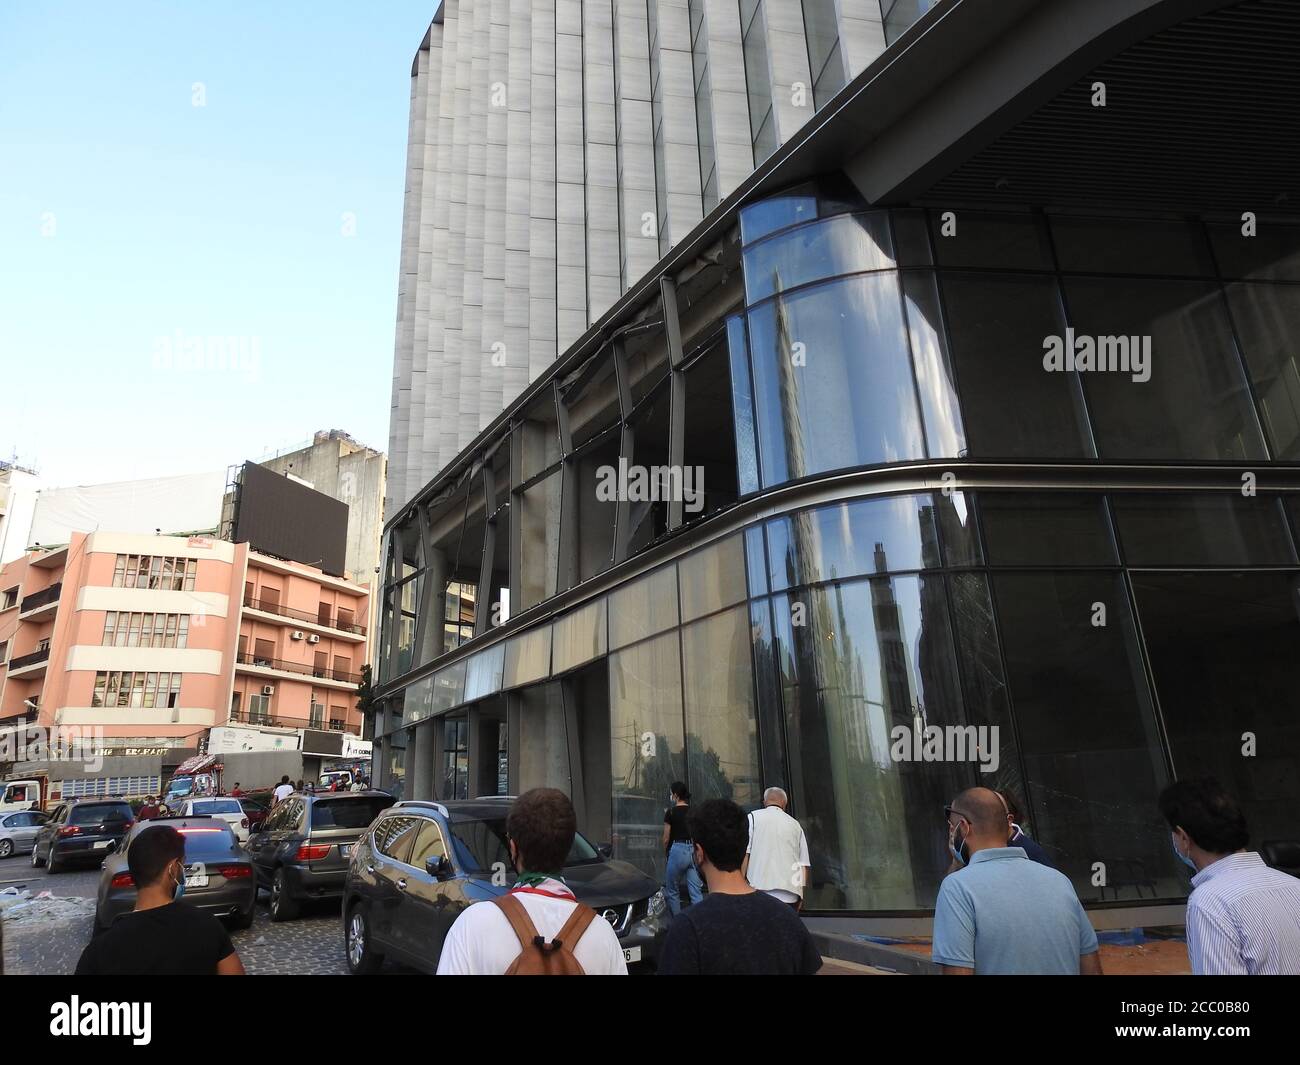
{"points": [[520, 921], [574, 928]]}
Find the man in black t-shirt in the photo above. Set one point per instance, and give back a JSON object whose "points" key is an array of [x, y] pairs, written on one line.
{"points": [[162, 936], [735, 931]]}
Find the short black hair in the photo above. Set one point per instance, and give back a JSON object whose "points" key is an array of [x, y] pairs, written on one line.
{"points": [[721, 829], [679, 789], [284, 779], [1206, 812], [542, 823], [152, 851]]}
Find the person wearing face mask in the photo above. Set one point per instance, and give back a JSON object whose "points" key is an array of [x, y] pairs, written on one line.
{"points": [[162, 936], [677, 851], [1002, 914], [1243, 918]]}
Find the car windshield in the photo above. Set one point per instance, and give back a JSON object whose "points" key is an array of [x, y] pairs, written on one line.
{"points": [[350, 812], [207, 841], [95, 813], [481, 844], [218, 806]]}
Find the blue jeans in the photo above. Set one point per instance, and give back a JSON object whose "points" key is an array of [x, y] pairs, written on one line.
{"points": [[681, 860]]}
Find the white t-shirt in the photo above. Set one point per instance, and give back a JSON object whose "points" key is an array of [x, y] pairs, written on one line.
{"points": [[283, 791], [482, 943]]}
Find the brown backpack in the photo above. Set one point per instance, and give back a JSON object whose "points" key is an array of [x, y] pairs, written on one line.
{"points": [[538, 957]]}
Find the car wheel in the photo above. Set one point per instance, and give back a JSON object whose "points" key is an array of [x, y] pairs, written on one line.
{"points": [[52, 863], [283, 906], [6, 848], [244, 920], [36, 857], [363, 959]]}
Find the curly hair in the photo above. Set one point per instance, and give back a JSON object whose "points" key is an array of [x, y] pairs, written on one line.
{"points": [[542, 824]]}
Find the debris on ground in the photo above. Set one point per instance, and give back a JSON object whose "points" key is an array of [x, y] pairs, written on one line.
{"points": [[20, 905]]}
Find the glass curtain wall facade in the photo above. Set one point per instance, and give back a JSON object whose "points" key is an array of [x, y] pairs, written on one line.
{"points": [[1088, 643]]}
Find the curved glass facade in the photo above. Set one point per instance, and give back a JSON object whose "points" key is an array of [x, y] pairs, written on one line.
{"points": [[874, 648]]}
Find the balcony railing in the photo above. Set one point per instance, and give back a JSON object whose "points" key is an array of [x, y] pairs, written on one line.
{"points": [[41, 598], [271, 606], [22, 661], [251, 717], [324, 672]]}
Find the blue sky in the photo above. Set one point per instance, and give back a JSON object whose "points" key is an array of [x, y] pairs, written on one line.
{"points": [[197, 285]]}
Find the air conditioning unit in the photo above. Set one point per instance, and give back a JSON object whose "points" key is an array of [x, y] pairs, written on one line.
{"points": [[268, 689], [296, 634], [313, 638]]}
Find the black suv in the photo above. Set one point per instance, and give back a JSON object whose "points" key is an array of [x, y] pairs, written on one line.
{"points": [[301, 850], [82, 831], [421, 863]]}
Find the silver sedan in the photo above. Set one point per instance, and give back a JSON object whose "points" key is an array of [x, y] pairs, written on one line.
{"points": [[18, 831]]}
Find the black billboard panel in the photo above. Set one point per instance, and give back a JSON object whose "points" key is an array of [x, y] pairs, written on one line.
{"points": [[282, 517]]}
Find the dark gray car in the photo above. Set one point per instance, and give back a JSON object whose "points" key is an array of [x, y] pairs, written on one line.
{"points": [[301, 850], [218, 875], [422, 863], [82, 832]]}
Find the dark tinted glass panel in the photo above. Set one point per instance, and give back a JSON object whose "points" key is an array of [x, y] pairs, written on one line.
{"points": [[984, 685], [767, 695], [1130, 246], [992, 240], [1267, 318], [710, 433], [1087, 731], [1013, 409], [850, 539], [211, 842], [1046, 529], [936, 382], [352, 812], [865, 665], [1195, 403], [1222, 648], [958, 528], [832, 379], [1272, 254], [1201, 530], [848, 244], [756, 560], [911, 237]]}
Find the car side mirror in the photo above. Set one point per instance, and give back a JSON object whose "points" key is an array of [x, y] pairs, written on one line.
{"points": [[438, 867], [605, 850]]}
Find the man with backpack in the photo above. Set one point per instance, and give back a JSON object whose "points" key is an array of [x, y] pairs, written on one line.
{"points": [[538, 928]]}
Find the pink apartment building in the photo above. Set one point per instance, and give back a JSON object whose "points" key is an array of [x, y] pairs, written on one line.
{"points": [[157, 639]]}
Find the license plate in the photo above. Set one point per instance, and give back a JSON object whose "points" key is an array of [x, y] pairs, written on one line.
{"points": [[632, 954], [346, 849], [102, 844], [196, 875]]}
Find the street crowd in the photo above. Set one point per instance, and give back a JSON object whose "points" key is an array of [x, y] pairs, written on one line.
{"points": [[1002, 908]]}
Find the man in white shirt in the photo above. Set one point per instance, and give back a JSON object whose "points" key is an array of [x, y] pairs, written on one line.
{"points": [[540, 831], [1243, 918], [776, 860], [282, 791]]}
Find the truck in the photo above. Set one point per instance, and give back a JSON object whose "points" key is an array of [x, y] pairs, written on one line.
{"points": [[194, 777], [27, 793]]}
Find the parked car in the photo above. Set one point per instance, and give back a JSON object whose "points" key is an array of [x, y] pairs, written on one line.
{"points": [[301, 850], [82, 831], [421, 863], [222, 807], [18, 831], [255, 811], [218, 874]]}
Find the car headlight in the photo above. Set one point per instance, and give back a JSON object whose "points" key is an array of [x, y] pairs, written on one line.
{"points": [[658, 904]]}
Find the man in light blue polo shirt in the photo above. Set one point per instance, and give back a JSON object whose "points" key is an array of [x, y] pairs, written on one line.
{"points": [[1003, 914]]}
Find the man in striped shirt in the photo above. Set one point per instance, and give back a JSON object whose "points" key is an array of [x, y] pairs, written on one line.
{"points": [[1243, 918]]}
